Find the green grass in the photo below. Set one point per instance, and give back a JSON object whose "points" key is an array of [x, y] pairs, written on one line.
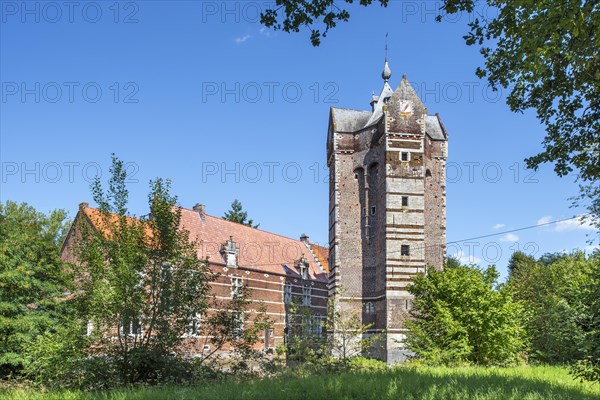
{"points": [[520, 383]]}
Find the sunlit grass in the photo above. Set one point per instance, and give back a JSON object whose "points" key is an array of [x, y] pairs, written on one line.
{"points": [[427, 383]]}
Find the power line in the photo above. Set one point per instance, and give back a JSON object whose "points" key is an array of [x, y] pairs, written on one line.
{"points": [[461, 240], [518, 229]]}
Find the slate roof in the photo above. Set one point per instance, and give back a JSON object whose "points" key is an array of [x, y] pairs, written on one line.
{"points": [[434, 128], [347, 120]]}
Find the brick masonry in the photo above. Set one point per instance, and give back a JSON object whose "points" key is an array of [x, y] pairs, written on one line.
{"points": [[387, 207]]}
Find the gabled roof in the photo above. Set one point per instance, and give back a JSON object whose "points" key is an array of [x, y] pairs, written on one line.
{"points": [[258, 249]]}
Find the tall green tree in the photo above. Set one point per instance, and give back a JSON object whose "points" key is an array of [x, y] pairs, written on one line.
{"points": [[141, 280], [544, 52], [589, 366], [461, 315], [32, 279], [553, 290], [236, 214]]}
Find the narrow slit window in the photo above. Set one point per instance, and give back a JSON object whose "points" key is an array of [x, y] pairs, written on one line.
{"points": [[373, 210], [404, 201]]}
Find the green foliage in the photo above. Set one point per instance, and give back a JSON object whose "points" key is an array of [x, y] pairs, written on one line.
{"points": [[237, 215], [553, 290], [545, 52], [299, 14], [31, 279], [425, 383], [588, 367], [314, 343], [461, 316], [140, 281]]}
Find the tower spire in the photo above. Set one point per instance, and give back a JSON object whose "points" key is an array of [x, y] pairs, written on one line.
{"points": [[387, 72]]}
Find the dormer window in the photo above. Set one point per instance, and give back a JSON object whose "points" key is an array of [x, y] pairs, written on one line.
{"points": [[302, 266], [230, 253]]}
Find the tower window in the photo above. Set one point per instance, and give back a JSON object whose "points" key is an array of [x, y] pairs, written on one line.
{"points": [[370, 308], [405, 156], [373, 210], [405, 250], [404, 201]]}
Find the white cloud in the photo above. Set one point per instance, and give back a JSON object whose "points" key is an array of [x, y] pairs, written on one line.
{"points": [[544, 220], [265, 32], [498, 226], [509, 237], [465, 258], [573, 225], [568, 225], [242, 39]]}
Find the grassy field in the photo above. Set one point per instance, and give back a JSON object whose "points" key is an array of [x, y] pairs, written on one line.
{"points": [[522, 383]]}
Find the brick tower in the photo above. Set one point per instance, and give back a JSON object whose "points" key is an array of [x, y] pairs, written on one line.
{"points": [[387, 206]]}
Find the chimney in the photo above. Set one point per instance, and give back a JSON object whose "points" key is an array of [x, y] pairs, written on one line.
{"points": [[84, 205], [304, 238], [201, 210]]}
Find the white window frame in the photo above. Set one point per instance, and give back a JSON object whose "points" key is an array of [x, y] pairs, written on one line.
{"points": [[306, 296], [190, 332], [287, 293], [237, 283], [131, 323]]}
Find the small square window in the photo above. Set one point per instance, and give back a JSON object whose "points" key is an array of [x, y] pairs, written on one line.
{"points": [[405, 250], [405, 156], [404, 201]]}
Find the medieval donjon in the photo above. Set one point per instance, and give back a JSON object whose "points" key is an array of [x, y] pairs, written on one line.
{"points": [[387, 206]]}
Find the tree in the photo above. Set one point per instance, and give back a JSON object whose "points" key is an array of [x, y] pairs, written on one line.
{"points": [[31, 279], [328, 341], [310, 14], [553, 291], [545, 52], [237, 215], [141, 281], [588, 367], [461, 315]]}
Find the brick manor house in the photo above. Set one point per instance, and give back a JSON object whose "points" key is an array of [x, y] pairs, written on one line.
{"points": [[276, 269], [387, 222]]}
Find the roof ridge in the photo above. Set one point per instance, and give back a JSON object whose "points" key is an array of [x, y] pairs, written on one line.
{"points": [[243, 225], [350, 109]]}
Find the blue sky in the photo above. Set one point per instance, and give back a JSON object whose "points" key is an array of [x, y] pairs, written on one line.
{"points": [[199, 92]]}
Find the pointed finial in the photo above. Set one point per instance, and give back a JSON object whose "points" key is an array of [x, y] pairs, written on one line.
{"points": [[386, 45], [387, 72]]}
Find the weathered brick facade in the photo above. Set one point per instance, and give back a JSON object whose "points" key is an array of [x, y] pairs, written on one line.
{"points": [[266, 263], [387, 206]]}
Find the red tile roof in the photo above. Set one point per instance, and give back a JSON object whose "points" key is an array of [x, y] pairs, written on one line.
{"points": [[258, 249], [322, 254]]}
